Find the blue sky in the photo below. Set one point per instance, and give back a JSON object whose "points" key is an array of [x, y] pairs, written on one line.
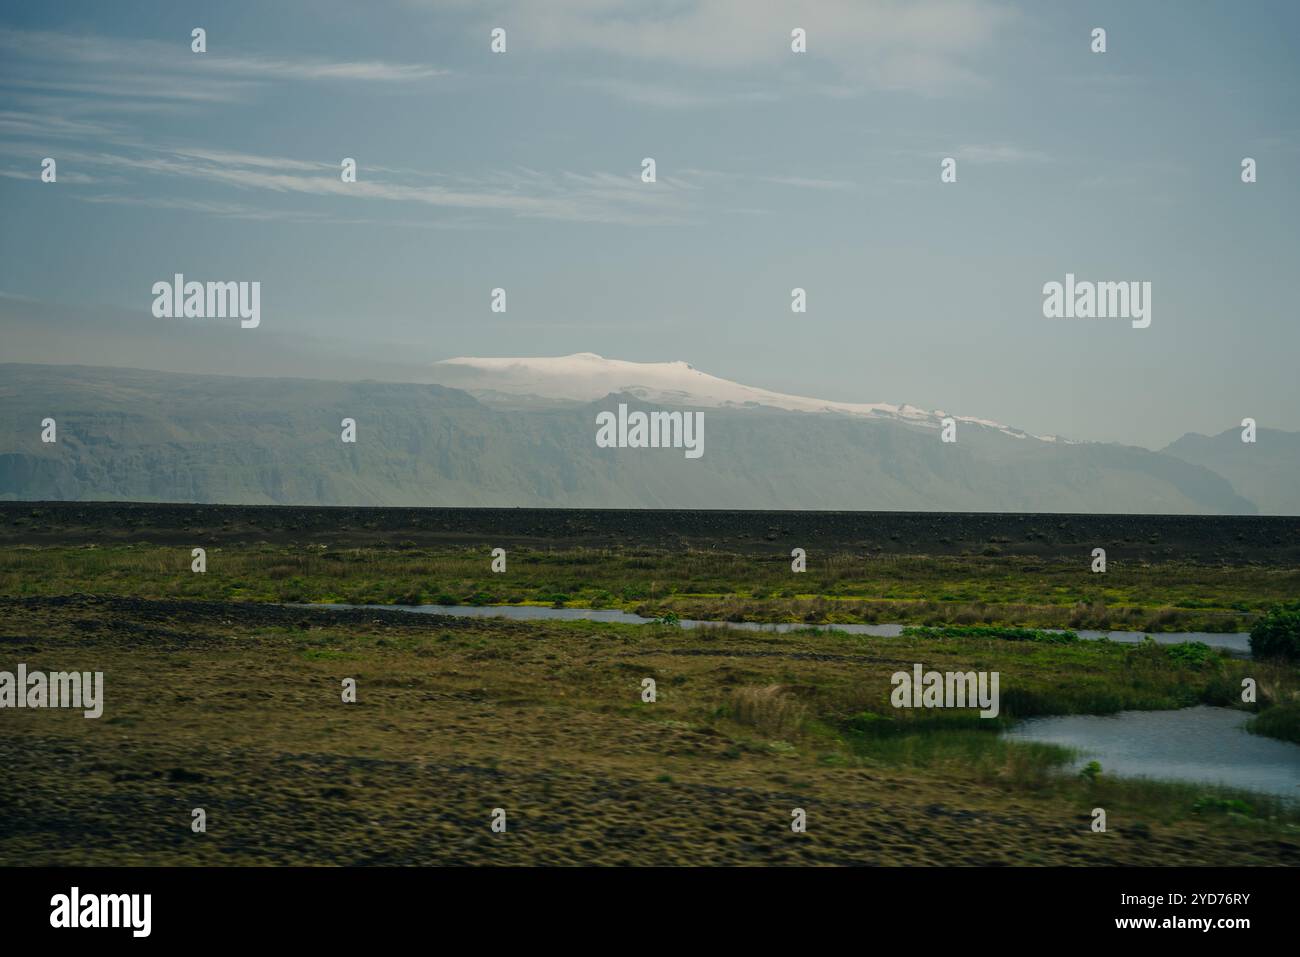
{"points": [[775, 170]]}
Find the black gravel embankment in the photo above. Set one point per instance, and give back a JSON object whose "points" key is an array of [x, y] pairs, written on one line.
{"points": [[1215, 539]]}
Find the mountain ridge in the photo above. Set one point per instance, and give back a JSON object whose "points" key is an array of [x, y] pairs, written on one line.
{"points": [[1265, 471], [164, 437]]}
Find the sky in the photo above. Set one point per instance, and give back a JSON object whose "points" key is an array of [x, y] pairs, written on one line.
{"points": [[819, 170]]}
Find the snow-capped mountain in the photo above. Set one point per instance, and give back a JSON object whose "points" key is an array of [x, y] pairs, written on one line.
{"points": [[154, 436], [586, 377]]}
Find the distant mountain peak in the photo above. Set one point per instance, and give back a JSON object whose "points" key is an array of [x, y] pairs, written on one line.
{"points": [[586, 377]]}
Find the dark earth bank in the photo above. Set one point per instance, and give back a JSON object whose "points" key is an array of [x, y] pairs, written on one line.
{"points": [[1235, 539]]}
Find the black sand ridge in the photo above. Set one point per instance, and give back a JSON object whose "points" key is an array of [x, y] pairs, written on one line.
{"points": [[1153, 538]]}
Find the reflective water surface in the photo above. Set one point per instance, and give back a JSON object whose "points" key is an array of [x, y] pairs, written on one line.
{"points": [[1238, 643], [1202, 744]]}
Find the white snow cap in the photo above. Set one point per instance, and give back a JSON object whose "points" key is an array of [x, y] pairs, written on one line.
{"points": [[585, 377]]}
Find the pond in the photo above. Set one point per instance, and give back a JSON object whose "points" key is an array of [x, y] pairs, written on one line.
{"points": [[1202, 744]]}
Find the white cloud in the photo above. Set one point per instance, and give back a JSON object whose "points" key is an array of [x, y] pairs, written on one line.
{"points": [[999, 153], [19, 123], [152, 70], [883, 44], [34, 176], [808, 182], [523, 193]]}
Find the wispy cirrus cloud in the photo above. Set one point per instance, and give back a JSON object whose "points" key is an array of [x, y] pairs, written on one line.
{"points": [[675, 96], [129, 64], [808, 182], [927, 150], [929, 48], [1000, 153], [520, 192], [261, 213], [60, 77], [57, 79], [696, 176], [144, 92], [225, 210], [24, 123], [69, 82], [76, 179]]}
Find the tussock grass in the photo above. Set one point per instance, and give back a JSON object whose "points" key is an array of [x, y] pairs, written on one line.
{"points": [[1281, 722], [771, 710]]}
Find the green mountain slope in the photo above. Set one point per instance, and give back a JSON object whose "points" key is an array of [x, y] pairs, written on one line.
{"points": [[149, 436]]}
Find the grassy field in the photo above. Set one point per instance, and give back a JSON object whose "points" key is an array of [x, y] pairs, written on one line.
{"points": [[704, 584], [220, 696], [236, 708]]}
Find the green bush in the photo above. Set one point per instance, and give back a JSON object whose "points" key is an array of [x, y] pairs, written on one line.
{"points": [[1195, 653], [1211, 803], [1277, 634]]}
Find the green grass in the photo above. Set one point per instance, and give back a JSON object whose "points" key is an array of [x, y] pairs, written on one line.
{"points": [[991, 632], [556, 707], [1281, 722], [989, 613], [711, 585]]}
